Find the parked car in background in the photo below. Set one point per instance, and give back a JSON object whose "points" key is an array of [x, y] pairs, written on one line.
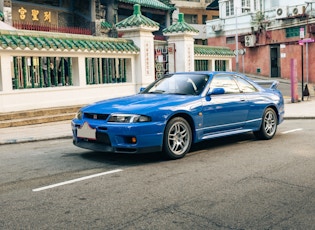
{"points": [[179, 110]]}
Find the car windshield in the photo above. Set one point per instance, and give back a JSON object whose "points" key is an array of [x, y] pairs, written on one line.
{"points": [[181, 84]]}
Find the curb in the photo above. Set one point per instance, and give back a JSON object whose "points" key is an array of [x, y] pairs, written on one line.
{"points": [[299, 118], [33, 139]]}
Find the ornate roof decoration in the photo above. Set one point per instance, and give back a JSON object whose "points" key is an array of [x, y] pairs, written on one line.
{"points": [[149, 3], [201, 50], [180, 26], [136, 20], [20, 40]]}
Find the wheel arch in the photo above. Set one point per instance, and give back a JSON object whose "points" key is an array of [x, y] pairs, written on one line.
{"points": [[190, 121], [276, 111]]}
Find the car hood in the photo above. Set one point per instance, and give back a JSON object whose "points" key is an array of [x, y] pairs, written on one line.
{"points": [[140, 103]]}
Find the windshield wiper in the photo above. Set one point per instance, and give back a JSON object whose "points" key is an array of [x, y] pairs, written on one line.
{"points": [[180, 93], [158, 91]]}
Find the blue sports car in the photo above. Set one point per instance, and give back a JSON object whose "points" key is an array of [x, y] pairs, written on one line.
{"points": [[178, 110]]}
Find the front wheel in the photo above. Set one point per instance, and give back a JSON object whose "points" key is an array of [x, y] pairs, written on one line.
{"points": [[177, 138], [268, 126]]}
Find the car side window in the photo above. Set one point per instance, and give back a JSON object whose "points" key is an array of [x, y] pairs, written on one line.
{"points": [[245, 86], [226, 82]]}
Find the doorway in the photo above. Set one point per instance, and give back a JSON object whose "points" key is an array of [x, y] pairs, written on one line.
{"points": [[275, 61]]}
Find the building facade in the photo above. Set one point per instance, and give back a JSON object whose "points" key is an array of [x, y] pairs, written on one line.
{"points": [[267, 35], [79, 16], [196, 15], [41, 69]]}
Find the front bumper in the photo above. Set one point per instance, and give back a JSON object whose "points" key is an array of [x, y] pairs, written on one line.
{"points": [[117, 137]]}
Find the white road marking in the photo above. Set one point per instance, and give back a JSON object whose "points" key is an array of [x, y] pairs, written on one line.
{"points": [[76, 180], [292, 131]]}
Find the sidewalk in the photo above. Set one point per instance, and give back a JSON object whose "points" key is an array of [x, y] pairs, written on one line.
{"points": [[299, 110], [56, 130], [45, 131]]}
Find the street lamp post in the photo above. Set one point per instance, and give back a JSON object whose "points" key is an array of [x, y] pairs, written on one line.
{"points": [[236, 37], [236, 33]]}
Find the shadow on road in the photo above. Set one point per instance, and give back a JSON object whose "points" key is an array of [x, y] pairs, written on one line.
{"points": [[119, 159]]}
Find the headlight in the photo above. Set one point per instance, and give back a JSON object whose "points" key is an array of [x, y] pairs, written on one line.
{"points": [[79, 115], [128, 118]]}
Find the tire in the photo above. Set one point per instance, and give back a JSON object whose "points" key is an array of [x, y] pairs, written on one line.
{"points": [[268, 126], [177, 138]]}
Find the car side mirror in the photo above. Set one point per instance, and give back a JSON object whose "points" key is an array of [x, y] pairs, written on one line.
{"points": [[141, 89], [216, 91]]}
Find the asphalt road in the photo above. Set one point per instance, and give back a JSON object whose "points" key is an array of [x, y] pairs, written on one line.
{"points": [[230, 183]]}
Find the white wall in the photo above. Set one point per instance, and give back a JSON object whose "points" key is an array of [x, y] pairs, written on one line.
{"points": [[27, 99], [78, 94]]}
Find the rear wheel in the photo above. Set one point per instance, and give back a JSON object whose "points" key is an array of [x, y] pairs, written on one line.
{"points": [[177, 138], [268, 126]]}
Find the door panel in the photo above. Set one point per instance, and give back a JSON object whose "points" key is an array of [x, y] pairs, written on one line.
{"points": [[226, 111]]}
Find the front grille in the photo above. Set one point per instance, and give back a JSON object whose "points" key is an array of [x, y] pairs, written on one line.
{"points": [[96, 116]]}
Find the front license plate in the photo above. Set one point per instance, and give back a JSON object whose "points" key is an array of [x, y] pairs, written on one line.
{"points": [[86, 132]]}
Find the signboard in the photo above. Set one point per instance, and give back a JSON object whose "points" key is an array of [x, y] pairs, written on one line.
{"points": [[306, 40], [302, 32], [35, 14]]}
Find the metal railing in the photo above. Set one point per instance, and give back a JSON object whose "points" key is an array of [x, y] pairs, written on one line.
{"points": [[220, 65], [51, 28], [201, 65], [39, 72], [105, 70]]}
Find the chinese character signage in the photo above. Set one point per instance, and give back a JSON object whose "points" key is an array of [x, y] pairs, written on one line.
{"points": [[29, 14], [22, 12]]}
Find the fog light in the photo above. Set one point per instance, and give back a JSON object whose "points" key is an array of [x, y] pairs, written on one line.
{"points": [[133, 140]]}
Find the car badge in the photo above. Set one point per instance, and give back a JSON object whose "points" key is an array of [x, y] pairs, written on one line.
{"points": [[95, 116]]}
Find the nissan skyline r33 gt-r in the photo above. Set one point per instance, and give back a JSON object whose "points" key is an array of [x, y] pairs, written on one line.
{"points": [[179, 110]]}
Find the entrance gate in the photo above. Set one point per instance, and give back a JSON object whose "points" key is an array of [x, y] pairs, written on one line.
{"points": [[161, 59]]}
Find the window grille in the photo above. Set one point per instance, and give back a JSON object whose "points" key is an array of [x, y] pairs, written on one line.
{"points": [[105, 70], [40, 72]]}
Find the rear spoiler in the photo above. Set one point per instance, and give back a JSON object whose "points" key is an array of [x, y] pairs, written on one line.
{"points": [[272, 84]]}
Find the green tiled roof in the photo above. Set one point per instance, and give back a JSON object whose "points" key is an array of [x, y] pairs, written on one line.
{"points": [[106, 25], [201, 50], [137, 19], [47, 41], [180, 26], [149, 3]]}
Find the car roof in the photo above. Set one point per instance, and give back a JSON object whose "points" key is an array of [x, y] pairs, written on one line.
{"points": [[207, 72]]}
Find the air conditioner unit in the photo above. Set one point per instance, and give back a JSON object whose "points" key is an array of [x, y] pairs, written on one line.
{"points": [[250, 40], [282, 12], [298, 10], [216, 27]]}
